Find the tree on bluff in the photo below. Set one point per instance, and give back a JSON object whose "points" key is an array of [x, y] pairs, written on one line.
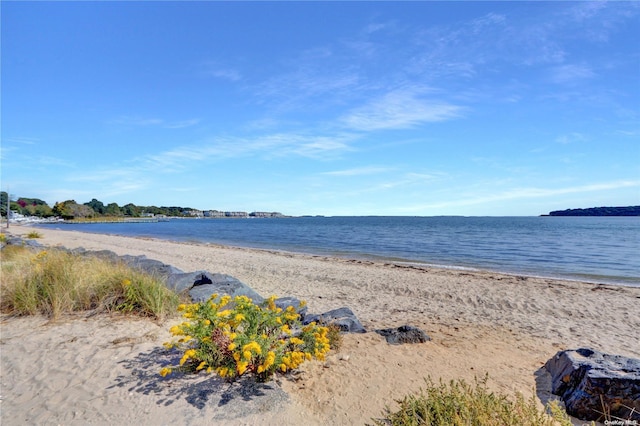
{"points": [[97, 206], [71, 210]]}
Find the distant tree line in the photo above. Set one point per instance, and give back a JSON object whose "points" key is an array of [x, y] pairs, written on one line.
{"points": [[599, 211], [70, 209]]}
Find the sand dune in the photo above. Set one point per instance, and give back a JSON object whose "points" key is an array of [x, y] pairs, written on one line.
{"points": [[103, 370]]}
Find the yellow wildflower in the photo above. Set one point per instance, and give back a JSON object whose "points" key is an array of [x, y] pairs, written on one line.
{"points": [[296, 341], [231, 346], [271, 302], [253, 347], [242, 299], [165, 371], [126, 282], [182, 307], [242, 367], [291, 316], [239, 317], [201, 366], [224, 313], [176, 330]]}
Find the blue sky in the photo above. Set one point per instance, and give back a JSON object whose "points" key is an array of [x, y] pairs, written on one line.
{"points": [[335, 108]]}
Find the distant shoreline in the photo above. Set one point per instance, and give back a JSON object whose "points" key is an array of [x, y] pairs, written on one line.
{"points": [[598, 211]]}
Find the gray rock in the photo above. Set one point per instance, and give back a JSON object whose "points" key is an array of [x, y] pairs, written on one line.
{"points": [[342, 317], [184, 281], [104, 254], [222, 284], [593, 383], [13, 240], [404, 334], [150, 266]]}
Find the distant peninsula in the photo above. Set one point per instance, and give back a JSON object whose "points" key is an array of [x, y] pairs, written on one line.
{"points": [[599, 211]]}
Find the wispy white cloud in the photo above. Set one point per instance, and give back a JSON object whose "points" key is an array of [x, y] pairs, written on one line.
{"points": [[53, 161], [218, 70], [359, 171], [149, 122], [307, 86], [572, 137], [526, 193], [400, 109], [268, 146], [137, 121], [227, 74], [571, 73], [182, 124], [21, 140]]}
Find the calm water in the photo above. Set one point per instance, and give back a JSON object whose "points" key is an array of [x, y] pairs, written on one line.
{"points": [[598, 249]]}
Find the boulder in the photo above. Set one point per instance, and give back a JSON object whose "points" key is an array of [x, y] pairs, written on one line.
{"points": [[342, 317], [13, 240], [404, 334], [595, 385], [210, 284], [184, 281], [150, 266]]}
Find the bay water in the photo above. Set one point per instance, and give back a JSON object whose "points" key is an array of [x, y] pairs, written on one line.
{"points": [[594, 249]]}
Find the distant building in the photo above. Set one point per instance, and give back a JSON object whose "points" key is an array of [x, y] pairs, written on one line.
{"points": [[236, 214], [266, 214]]}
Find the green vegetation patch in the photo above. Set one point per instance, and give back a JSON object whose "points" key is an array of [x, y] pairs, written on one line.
{"points": [[458, 404], [235, 337], [55, 282]]}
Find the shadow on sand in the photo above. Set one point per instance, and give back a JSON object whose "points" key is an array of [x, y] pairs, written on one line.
{"points": [[240, 398]]}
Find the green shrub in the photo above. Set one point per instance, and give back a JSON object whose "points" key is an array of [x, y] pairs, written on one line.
{"points": [[245, 338], [34, 234], [459, 404], [56, 282]]}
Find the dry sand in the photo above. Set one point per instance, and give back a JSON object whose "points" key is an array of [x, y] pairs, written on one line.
{"points": [[103, 370]]}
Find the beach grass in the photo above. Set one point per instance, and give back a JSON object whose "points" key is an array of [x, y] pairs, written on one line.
{"points": [[34, 234], [459, 403], [56, 282]]}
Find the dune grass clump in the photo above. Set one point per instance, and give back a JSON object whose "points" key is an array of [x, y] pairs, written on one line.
{"points": [[56, 282], [34, 235], [234, 339], [458, 404]]}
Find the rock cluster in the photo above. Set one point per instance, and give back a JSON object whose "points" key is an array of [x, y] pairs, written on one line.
{"points": [[403, 334], [595, 385], [200, 285]]}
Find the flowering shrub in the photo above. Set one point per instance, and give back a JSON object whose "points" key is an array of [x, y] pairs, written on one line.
{"points": [[244, 338]]}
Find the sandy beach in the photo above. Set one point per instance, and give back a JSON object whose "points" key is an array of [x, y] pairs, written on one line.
{"points": [[103, 369]]}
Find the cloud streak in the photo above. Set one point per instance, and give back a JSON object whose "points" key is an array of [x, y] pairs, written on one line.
{"points": [[528, 193], [400, 109]]}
